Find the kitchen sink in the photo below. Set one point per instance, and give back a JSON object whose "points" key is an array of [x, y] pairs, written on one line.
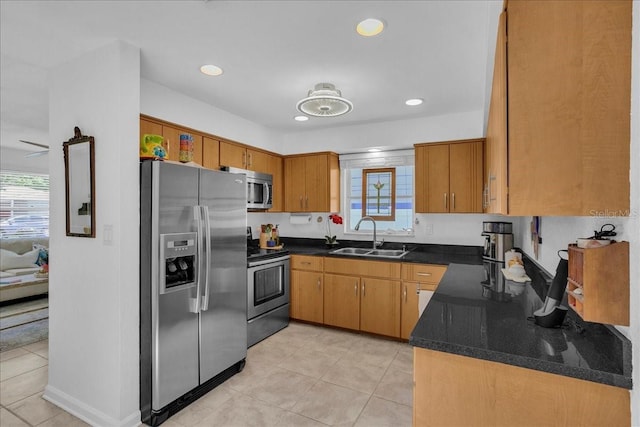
{"points": [[378, 253]]}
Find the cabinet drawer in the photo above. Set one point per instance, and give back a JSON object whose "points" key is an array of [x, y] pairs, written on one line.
{"points": [[378, 269], [423, 273], [306, 262]]}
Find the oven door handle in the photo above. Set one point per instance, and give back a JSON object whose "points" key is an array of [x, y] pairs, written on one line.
{"points": [[269, 261], [194, 303], [207, 258]]}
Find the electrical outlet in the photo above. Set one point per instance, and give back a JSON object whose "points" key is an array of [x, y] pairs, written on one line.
{"points": [[428, 229]]}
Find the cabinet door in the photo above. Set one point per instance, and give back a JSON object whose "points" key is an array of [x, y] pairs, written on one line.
{"points": [[257, 161], [210, 153], [294, 184], [172, 141], [275, 168], [380, 306], [316, 184], [408, 308], [569, 73], [465, 177], [149, 127], [307, 296], [432, 178], [496, 142], [233, 155], [342, 301]]}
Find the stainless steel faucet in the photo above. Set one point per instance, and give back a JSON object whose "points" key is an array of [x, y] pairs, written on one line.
{"points": [[368, 218]]}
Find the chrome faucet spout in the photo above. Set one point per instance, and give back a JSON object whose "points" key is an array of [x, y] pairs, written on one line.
{"points": [[368, 218]]}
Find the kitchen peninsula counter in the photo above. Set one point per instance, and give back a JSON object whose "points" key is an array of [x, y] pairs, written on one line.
{"points": [[467, 317]]}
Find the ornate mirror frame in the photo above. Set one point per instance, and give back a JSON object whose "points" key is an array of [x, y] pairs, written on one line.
{"points": [[79, 176]]}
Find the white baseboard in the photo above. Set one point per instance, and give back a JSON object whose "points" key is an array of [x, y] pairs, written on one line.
{"points": [[87, 413]]}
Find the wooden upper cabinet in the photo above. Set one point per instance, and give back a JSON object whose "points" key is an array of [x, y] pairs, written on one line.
{"points": [[172, 141], [569, 100], [210, 153], [233, 155], [312, 183], [171, 135], [449, 176], [495, 176], [275, 168]]}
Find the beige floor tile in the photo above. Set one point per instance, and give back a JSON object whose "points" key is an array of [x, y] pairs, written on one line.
{"points": [[7, 419], [291, 419], [403, 360], [331, 404], [41, 348], [64, 420], [334, 341], [271, 353], [10, 354], [396, 386], [35, 409], [21, 364], [355, 375], [243, 411], [22, 386], [201, 408], [309, 362], [281, 388], [383, 413], [373, 351], [252, 372]]}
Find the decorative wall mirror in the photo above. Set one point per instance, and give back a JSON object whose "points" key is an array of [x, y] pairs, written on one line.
{"points": [[80, 185], [378, 194]]}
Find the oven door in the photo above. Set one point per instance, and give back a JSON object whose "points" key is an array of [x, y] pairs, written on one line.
{"points": [[268, 283]]}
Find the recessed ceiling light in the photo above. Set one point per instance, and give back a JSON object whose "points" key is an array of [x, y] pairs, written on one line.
{"points": [[301, 118], [211, 70], [414, 101], [370, 27], [374, 150]]}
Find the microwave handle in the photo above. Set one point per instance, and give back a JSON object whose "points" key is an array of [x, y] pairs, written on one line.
{"points": [[207, 257], [267, 191]]}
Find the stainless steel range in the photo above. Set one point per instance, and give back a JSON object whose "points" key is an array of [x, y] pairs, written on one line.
{"points": [[268, 291]]}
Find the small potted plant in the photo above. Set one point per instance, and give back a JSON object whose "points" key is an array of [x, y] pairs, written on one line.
{"points": [[330, 240]]}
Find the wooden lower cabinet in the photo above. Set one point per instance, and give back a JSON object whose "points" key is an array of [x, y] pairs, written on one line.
{"points": [[342, 301], [453, 390], [408, 308], [307, 296], [307, 288], [416, 278], [380, 306]]}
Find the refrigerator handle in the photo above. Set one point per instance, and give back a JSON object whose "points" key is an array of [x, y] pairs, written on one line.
{"points": [[194, 303], [207, 259]]}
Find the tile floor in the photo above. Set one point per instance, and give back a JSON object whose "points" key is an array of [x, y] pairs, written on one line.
{"points": [[302, 376]]}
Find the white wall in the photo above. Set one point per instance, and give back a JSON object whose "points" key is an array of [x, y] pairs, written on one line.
{"points": [[13, 159], [163, 103], [390, 135], [93, 283]]}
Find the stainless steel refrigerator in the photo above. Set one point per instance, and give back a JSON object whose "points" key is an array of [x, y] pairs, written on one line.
{"points": [[193, 284]]}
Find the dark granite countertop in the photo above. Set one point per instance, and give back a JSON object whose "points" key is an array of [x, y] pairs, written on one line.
{"points": [[418, 253], [470, 317]]}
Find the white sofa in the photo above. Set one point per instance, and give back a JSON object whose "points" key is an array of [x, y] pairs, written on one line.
{"points": [[17, 265]]}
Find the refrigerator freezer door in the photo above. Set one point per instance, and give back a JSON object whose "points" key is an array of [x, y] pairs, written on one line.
{"points": [[223, 321], [174, 327]]}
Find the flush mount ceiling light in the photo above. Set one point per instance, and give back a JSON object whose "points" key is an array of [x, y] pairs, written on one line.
{"points": [[413, 102], [301, 118], [324, 101], [211, 70], [370, 27]]}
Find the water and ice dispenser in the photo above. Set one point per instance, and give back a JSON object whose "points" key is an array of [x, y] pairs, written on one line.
{"points": [[178, 261]]}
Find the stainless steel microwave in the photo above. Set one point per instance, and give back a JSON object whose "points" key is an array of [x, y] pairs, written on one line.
{"points": [[259, 188]]}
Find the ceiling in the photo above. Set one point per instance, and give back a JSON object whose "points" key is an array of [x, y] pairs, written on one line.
{"points": [[272, 54]]}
